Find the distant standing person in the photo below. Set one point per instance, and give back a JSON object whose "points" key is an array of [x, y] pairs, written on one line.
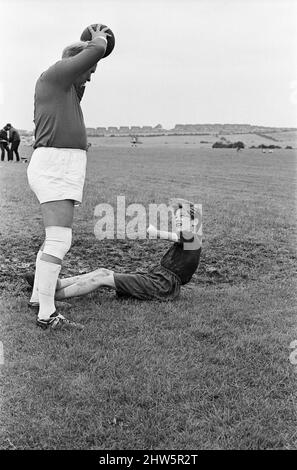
{"points": [[15, 140], [4, 144], [56, 172]]}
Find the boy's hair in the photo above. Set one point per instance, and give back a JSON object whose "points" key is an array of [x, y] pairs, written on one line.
{"points": [[74, 49], [184, 204]]}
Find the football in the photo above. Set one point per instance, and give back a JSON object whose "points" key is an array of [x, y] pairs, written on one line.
{"points": [[86, 36]]}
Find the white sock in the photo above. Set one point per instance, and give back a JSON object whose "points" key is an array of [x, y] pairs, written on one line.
{"points": [[34, 295], [48, 276]]}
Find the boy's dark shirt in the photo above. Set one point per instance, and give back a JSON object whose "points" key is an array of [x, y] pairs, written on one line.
{"points": [[183, 257]]}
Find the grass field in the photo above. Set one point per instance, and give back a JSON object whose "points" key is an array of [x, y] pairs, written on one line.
{"points": [[208, 371]]}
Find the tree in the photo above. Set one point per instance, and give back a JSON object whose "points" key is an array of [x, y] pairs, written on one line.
{"points": [[222, 145], [238, 145]]}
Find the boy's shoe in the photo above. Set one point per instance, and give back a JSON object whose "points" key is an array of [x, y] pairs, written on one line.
{"points": [[58, 321]]}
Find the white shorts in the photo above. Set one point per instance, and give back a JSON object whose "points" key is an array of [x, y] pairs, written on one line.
{"points": [[56, 174]]}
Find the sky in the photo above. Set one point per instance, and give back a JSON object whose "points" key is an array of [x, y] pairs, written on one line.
{"points": [[174, 62]]}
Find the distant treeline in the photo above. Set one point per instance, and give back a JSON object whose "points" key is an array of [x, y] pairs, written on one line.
{"points": [[228, 145], [240, 145], [263, 146]]}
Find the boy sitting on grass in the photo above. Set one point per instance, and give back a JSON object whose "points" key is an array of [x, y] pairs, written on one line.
{"points": [[161, 282]]}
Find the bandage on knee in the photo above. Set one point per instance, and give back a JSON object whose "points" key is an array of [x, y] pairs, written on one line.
{"points": [[57, 241]]}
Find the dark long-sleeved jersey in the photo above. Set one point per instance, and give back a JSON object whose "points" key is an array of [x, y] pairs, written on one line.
{"points": [[58, 116]]}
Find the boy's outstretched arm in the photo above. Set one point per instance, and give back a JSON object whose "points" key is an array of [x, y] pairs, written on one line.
{"points": [[162, 234]]}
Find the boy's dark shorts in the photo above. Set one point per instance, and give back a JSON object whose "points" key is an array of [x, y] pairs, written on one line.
{"points": [[157, 284]]}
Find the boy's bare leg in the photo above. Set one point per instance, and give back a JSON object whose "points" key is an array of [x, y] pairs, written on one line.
{"points": [[87, 284], [68, 281]]}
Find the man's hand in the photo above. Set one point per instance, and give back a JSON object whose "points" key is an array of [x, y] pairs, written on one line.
{"points": [[97, 33]]}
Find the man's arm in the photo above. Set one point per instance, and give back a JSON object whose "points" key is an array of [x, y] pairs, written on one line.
{"points": [[67, 70]]}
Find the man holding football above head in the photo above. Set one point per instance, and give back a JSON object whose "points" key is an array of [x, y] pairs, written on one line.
{"points": [[56, 172]]}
